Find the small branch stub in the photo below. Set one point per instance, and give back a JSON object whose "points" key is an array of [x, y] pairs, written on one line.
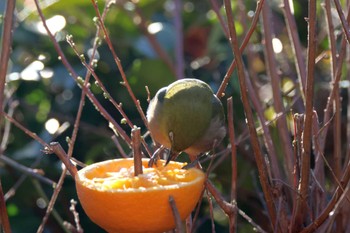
{"points": [[136, 147]]}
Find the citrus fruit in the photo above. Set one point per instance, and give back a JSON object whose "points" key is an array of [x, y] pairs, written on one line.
{"points": [[120, 202]]}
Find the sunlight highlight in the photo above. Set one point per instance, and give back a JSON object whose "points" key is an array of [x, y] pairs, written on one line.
{"points": [[55, 24], [277, 45], [52, 125]]}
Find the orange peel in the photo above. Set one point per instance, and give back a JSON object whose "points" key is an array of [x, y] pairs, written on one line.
{"points": [[120, 202]]}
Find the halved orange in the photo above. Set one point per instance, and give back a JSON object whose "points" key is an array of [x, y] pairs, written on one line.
{"points": [[120, 202]]}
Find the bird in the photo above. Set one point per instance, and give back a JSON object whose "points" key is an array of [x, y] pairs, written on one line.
{"points": [[186, 116]]}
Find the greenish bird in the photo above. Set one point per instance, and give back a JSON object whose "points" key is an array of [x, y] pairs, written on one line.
{"points": [[186, 116]]}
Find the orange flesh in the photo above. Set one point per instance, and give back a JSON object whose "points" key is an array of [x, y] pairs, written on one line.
{"points": [[122, 178]]}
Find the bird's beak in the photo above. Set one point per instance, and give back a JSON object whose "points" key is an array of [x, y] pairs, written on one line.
{"points": [[171, 156]]}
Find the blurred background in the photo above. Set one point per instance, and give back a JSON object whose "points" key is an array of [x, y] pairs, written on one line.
{"points": [[42, 96]]}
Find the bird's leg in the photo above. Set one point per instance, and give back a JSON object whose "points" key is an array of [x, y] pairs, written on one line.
{"points": [[153, 160], [194, 162]]}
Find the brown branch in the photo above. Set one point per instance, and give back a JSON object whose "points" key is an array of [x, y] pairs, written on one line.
{"points": [[106, 93], [301, 205], [259, 158], [118, 63], [343, 21], [233, 218], [176, 214], [35, 173], [6, 46], [179, 47], [25, 130], [331, 204], [336, 102], [4, 220], [58, 150], [296, 46], [216, 9], [74, 75], [282, 126], [136, 149], [229, 208], [258, 107], [338, 73], [72, 208], [227, 77]]}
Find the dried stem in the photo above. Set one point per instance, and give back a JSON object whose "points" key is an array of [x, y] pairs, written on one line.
{"points": [[118, 63], [275, 83], [344, 22], [4, 220], [72, 208], [179, 47], [296, 46], [176, 215], [250, 120], [233, 218], [35, 173], [224, 83], [258, 107], [25, 130], [136, 148], [6, 46], [336, 103], [216, 9], [307, 133], [331, 204], [74, 75], [105, 91]]}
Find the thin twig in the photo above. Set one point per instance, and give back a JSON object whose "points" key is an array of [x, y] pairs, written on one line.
{"points": [[258, 107], [4, 220], [331, 204], [7, 126], [8, 22], [106, 93], [336, 102], [211, 212], [307, 133], [74, 75], [176, 215], [227, 207], [58, 150], [72, 208], [343, 21], [296, 46], [118, 63], [216, 9], [25, 130], [233, 218], [225, 81], [35, 173], [119, 147], [276, 92], [179, 47], [260, 162]]}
